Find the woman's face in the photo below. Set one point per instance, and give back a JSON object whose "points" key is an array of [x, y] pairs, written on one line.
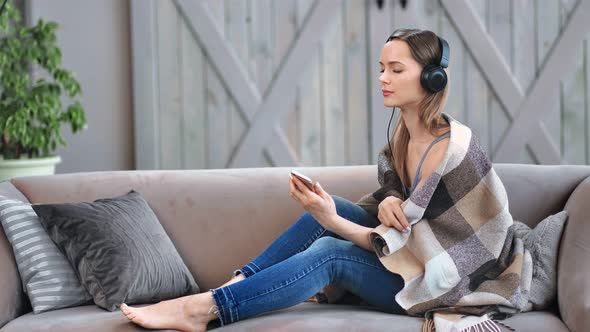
{"points": [[400, 73]]}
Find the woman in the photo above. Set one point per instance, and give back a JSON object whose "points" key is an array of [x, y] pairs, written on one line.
{"points": [[329, 243]]}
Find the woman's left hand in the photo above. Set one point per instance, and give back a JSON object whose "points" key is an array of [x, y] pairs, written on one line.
{"points": [[318, 203]]}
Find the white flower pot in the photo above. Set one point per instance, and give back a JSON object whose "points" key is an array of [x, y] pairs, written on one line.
{"points": [[11, 168]]}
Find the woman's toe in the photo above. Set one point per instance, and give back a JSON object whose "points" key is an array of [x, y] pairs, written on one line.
{"points": [[124, 308]]}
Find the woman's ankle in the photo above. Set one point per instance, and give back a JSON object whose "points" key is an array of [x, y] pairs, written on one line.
{"points": [[234, 279], [237, 278]]}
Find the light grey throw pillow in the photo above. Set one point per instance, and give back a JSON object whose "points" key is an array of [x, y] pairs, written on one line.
{"points": [[543, 244], [47, 276]]}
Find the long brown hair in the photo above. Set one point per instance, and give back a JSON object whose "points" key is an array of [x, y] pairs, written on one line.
{"points": [[425, 50]]}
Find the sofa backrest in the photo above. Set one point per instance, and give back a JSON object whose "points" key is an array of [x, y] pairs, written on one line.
{"points": [[220, 219], [537, 191]]}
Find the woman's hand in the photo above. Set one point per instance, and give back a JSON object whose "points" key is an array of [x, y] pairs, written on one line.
{"points": [[392, 215], [318, 203]]}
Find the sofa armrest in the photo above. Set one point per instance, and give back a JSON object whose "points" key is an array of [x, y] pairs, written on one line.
{"points": [[573, 266], [13, 301]]}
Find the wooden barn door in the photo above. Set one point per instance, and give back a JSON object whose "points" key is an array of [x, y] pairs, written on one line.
{"points": [[250, 83]]}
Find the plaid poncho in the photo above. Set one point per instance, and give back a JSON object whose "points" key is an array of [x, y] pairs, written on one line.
{"points": [[461, 263]]}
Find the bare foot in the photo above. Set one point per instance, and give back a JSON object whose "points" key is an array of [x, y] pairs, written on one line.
{"points": [[233, 280], [187, 313]]}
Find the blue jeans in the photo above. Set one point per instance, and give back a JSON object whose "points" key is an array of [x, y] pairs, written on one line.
{"points": [[302, 261]]}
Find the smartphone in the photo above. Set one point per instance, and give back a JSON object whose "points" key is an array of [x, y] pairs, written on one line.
{"points": [[306, 180]]}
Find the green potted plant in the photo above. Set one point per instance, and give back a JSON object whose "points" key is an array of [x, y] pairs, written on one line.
{"points": [[33, 90]]}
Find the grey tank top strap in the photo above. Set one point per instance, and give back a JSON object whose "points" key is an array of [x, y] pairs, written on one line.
{"points": [[417, 176]]}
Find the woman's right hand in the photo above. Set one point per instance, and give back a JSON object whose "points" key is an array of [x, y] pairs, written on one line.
{"points": [[392, 215]]}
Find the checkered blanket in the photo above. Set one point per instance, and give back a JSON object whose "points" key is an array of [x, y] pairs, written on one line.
{"points": [[462, 265]]}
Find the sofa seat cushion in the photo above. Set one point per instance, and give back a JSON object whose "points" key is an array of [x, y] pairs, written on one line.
{"points": [[536, 321], [309, 316], [306, 316], [338, 317], [89, 318]]}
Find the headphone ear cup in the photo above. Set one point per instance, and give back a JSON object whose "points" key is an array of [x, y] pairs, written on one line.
{"points": [[424, 76], [433, 78]]}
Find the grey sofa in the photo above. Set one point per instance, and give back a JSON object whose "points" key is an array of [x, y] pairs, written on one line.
{"points": [[196, 207]]}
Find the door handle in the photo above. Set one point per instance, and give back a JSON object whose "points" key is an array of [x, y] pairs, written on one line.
{"points": [[403, 3]]}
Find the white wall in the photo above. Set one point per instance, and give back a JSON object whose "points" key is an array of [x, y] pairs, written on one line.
{"points": [[94, 37]]}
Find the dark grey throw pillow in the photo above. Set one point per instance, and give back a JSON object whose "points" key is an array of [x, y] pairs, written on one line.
{"points": [[119, 250]]}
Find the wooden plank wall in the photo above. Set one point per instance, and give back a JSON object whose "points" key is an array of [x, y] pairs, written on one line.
{"points": [[335, 117]]}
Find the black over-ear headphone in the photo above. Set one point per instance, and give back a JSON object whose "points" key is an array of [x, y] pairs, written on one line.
{"points": [[433, 77]]}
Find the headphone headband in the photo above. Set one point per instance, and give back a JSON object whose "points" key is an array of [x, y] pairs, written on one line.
{"points": [[445, 50]]}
